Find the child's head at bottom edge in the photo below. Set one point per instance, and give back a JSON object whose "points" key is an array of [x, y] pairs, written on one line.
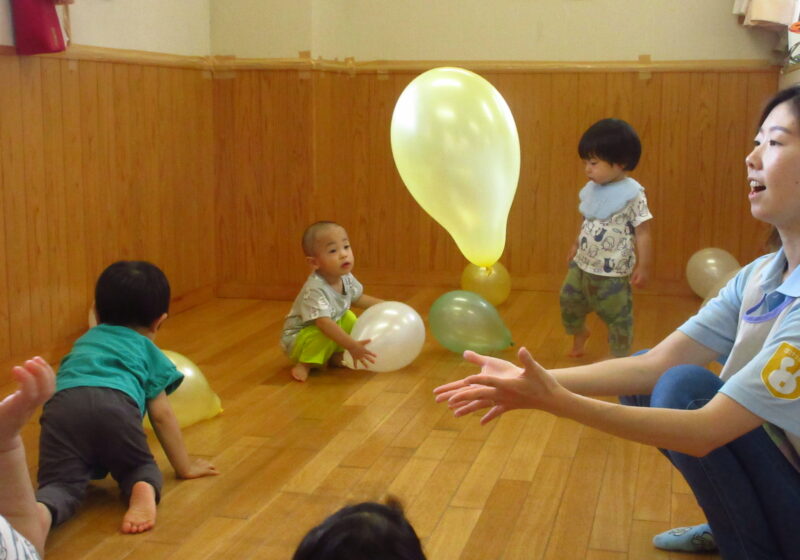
{"points": [[364, 531], [132, 294]]}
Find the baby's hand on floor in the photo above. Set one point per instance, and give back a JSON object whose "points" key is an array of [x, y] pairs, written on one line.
{"points": [[198, 469]]}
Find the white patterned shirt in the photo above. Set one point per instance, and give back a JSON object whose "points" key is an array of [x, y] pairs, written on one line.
{"points": [[14, 546], [607, 245]]}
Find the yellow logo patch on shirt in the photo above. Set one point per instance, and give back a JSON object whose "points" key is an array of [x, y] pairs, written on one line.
{"points": [[780, 374]]}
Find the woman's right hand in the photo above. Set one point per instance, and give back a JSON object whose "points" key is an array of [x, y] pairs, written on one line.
{"points": [[501, 386]]}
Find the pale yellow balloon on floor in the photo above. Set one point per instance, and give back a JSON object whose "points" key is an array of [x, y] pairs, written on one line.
{"points": [[193, 400], [456, 148], [491, 282]]}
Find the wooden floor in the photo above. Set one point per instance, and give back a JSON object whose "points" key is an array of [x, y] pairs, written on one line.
{"points": [[527, 486]]}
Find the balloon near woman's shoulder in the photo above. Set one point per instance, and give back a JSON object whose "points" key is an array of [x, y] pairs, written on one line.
{"points": [[462, 320], [193, 400], [397, 334], [707, 268]]}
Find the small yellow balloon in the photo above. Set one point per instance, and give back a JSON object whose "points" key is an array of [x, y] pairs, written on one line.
{"points": [[193, 400], [456, 148], [491, 282]]}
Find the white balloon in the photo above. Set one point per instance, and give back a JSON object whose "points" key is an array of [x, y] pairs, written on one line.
{"points": [[397, 334]]}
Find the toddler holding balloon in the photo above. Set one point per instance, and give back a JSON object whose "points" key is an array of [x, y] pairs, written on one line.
{"points": [[615, 231], [112, 375], [317, 328]]}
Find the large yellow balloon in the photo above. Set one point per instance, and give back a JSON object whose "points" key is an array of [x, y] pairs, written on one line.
{"points": [[492, 282], [456, 147], [193, 400]]}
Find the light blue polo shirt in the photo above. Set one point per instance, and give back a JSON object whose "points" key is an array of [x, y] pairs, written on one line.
{"points": [[716, 324]]}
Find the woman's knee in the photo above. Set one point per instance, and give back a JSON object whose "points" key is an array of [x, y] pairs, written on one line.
{"points": [[685, 387]]}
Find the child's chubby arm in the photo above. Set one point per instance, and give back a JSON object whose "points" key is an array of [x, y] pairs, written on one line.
{"points": [[644, 255], [366, 301], [357, 348], [168, 432]]}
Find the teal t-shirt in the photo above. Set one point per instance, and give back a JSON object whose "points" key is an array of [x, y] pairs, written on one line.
{"points": [[118, 358]]}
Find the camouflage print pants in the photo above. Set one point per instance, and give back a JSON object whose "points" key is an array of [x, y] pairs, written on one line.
{"points": [[608, 296]]}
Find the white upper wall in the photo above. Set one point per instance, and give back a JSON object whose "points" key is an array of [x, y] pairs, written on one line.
{"points": [[551, 30], [261, 28], [165, 26], [547, 30]]}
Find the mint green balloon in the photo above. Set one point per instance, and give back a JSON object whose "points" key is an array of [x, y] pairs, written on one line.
{"points": [[462, 320]]}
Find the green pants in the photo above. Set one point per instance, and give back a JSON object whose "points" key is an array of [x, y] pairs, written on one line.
{"points": [[312, 346], [608, 296]]}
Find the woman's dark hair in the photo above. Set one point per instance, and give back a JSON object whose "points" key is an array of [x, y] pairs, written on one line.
{"points": [[792, 95], [365, 531], [613, 141], [131, 294]]}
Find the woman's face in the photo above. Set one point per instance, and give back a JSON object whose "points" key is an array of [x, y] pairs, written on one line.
{"points": [[773, 170]]}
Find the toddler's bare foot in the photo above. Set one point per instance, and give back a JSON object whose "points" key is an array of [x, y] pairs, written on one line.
{"points": [[300, 372], [141, 514], [337, 359], [578, 344]]}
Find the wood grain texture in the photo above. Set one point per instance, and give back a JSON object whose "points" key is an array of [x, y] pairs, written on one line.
{"points": [[524, 486]]}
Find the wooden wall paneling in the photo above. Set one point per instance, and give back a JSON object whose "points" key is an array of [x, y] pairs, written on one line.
{"points": [[206, 266], [14, 257], [673, 153], [248, 115], [361, 217], [272, 163], [699, 170], [166, 153], [57, 245], [78, 275], [183, 215], [380, 106], [127, 210], [148, 147], [566, 173], [294, 213], [533, 199], [224, 195], [90, 172], [729, 189], [111, 230], [36, 199]]}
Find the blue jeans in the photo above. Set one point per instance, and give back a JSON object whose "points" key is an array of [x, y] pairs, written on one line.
{"points": [[748, 490]]}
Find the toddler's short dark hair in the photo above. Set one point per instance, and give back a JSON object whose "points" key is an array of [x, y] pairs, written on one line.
{"points": [[131, 294], [613, 141], [310, 235], [365, 531]]}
